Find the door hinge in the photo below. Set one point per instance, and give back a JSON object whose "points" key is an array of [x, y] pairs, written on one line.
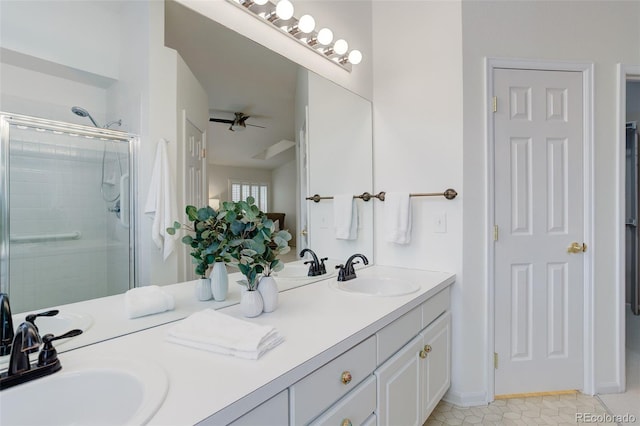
{"points": [[495, 360], [494, 103], [203, 153], [495, 232]]}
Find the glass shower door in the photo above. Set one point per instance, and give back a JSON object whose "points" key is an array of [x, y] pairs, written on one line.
{"points": [[68, 219]]}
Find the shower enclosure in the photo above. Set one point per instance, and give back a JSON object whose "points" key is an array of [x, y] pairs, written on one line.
{"points": [[67, 212]]}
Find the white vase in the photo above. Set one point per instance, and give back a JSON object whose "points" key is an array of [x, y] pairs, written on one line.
{"points": [[268, 289], [219, 281], [203, 289], [251, 303]]}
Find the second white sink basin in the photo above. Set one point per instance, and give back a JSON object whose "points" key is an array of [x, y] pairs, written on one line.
{"points": [[376, 286], [105, 392]]}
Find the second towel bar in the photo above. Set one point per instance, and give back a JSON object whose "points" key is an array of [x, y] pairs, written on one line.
{"points": [[449, 194]]}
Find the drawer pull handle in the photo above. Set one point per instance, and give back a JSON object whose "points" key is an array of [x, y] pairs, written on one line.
{"points": [[346, 378], [423, 354], [427, 348], [347, 422]]}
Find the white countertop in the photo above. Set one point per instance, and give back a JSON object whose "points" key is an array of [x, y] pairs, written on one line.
{"points": [[317, 321]]}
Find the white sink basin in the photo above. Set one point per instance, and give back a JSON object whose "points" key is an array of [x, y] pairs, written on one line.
{"points": [[104, 392], [376, 286]]}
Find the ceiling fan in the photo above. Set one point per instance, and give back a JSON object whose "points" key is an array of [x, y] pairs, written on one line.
{"points": [[238, 123]]}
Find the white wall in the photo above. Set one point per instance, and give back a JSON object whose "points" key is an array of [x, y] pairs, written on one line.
{"points": [[283, 196], [605, 33], [633, 101], [417, 101]]}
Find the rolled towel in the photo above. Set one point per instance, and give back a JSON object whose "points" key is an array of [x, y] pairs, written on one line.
{"points": [[345, 217], [141, 301], [397, 217], [220, 333]]}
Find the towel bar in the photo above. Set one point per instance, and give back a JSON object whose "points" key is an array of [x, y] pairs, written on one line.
{"points": [[449, 194]]}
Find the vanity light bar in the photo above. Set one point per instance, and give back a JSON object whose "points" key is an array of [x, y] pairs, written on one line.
{"points": [[280, 15]]}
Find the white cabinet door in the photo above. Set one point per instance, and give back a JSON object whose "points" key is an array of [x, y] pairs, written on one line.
{"points": [[435, 363], [399, 382], [274, 411]]}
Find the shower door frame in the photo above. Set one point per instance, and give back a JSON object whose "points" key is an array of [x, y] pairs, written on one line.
{"points": [[9, 119]]}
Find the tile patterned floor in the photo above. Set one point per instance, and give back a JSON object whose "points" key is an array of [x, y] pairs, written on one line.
{"points": [[560, 410]]}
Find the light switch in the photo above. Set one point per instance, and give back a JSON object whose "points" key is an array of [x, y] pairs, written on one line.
{"points": [[440, 223]]}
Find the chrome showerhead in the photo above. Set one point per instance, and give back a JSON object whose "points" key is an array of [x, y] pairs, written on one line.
{"points": [[81, 112]]}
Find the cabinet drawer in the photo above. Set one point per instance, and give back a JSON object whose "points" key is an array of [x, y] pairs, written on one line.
{"points": [[436, 305], [395, 335], [316, 392], [354, 409]]}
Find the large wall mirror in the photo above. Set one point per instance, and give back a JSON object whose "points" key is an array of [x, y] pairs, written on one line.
{"points": [[305, 134]]}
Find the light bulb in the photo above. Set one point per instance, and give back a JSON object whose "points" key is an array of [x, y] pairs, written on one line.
{"points": [[355, 57], [284, 9], [260, 2], [306, 23], [325, 36], [340, 47]]}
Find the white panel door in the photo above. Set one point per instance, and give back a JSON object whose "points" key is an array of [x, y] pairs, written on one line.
{"points": [[539, 192], [195, 176]]}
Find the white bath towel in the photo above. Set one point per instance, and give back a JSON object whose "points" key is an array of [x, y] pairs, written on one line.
{"points": [[161, 201], [345, 217], [397, 217], [141, 301], [214, 331]]}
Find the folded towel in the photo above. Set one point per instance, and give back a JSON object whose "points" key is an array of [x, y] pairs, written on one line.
{"points": [[217, 332], [345, 217], [161, 202], [141, 301], [397, 212]]}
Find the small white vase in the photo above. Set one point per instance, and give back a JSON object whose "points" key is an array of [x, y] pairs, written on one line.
{"points": [[268, 289], [251, 303], [219, 281], [203, 289]]}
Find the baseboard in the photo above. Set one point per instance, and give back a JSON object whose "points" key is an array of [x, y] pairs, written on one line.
{"points": [[466, 399], [608, 387], [530, 394]]}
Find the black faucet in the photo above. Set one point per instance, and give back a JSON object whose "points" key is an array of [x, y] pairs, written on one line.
{"points": [[316, 267], [347, 272], [27, 340], [6, 325]]}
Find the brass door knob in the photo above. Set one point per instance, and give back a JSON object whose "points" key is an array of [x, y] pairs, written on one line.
{"points": [[577, 248], [423, 354], [427, 348], [345, 378], [347, 422]]}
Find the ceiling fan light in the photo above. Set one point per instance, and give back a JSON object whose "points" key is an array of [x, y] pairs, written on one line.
{"points": [[306, 23], [261, 2], [284, 9]]}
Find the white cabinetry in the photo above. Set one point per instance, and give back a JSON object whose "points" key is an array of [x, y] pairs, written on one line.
{"points": [[273, 412], [412, 382]]}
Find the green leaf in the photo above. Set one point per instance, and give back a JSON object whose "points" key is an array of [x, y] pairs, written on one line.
{"points": [[171, 231], [251, 200], [237, 227], [192, 213], [187, 239], [177, 225]]}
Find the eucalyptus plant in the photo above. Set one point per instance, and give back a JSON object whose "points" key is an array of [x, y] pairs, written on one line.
{"points": [[238, 234]]}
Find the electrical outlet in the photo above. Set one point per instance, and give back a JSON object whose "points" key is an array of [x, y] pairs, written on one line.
{"points": [[440, 223]]}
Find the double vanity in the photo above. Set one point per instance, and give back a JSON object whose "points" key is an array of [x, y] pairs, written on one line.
{"points": [[373, 350]]}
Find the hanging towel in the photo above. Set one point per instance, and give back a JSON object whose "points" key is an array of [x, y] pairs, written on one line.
{"points": [[141, 301], [397, 214], [214, 331], [345, 217], [161, 201]]}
